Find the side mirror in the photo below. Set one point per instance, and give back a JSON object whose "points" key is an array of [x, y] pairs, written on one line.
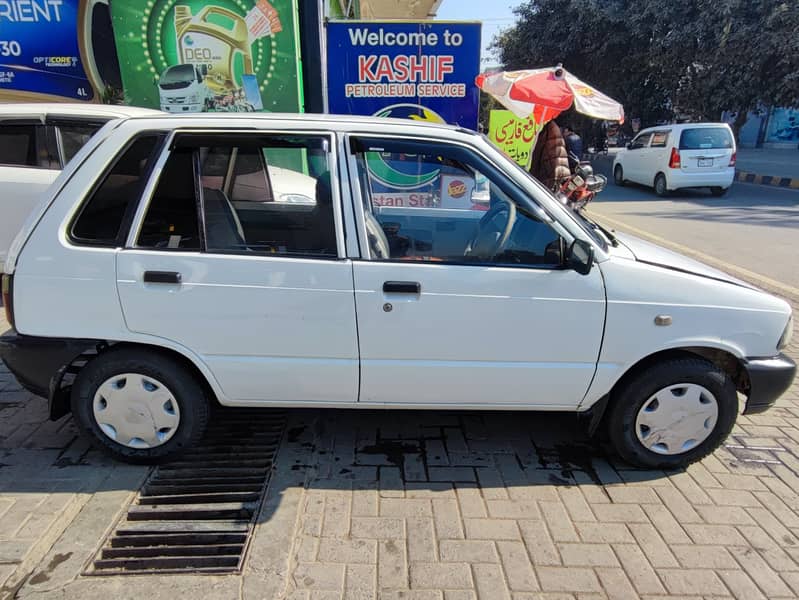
{"points": [[629, 145], [580, 257]]}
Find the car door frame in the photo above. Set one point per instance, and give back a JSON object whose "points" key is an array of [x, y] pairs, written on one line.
{"points": [[342, 255], [659, 155], [537, 209]]}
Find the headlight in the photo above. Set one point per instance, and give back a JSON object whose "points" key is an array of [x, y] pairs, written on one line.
{"points": [[786, 335]]}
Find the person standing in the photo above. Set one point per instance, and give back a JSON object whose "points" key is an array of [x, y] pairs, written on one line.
{"points": [[574, 146]]}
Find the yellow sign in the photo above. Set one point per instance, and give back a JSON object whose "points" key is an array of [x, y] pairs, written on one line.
{"points": [[512, 135]]}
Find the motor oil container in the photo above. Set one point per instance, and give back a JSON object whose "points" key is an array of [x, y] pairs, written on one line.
{"points": [[61, 55], [204, 39]]}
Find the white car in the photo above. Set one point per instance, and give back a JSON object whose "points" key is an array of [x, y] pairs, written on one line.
{"points": [[672, 157], [36, 141], [177, 288]]}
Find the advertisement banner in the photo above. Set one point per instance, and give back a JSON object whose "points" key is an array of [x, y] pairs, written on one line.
{"points": [[514, 136], [43, 51], [783, 126], [422, 70], [194, 56]]}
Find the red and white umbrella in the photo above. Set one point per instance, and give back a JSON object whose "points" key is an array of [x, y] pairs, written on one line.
{"points": [[545, 93]]}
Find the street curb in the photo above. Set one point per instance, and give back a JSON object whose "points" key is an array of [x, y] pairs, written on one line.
{"points": [[773, 180]]}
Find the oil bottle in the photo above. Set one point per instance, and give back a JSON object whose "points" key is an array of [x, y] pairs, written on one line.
{"points": [[207, 42]]}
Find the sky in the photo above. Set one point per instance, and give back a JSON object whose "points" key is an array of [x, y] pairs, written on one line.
{"points": [[495, 15]]}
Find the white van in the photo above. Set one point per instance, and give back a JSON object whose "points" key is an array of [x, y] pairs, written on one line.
{"points": [[36, 141], [183, 280], [672, 157], [182, 88]]}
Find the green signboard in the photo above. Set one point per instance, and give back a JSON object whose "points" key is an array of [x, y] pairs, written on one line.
{"points": [[192, 55]]}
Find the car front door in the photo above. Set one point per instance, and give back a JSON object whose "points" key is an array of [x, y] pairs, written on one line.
{"points": [[256, 287], [462, 295]]}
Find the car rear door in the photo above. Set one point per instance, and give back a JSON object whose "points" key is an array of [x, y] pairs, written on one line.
{"points": [[659, 153], [706, 149], [636, 159], [442, 318], [258, 288]]}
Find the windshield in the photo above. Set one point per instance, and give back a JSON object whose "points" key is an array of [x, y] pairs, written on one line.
{"points": [[582, 222], [706, 138], [177, 76]]}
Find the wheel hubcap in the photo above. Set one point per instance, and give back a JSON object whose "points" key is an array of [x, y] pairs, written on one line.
{"points": [[136, 411], [676, 419]]}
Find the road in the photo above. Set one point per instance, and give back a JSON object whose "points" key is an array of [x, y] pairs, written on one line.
{"points": [[754, 228]]}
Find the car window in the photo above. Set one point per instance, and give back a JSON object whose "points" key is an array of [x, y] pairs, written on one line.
{"points": [[704, 138], [641, 141], [265, 194], [171, 218], [438, 203], [659, 139], [74, 136], [25, 145], [100, 219]]}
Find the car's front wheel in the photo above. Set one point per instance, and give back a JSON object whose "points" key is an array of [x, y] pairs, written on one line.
{"points": [[139, 406], [672, 414]]}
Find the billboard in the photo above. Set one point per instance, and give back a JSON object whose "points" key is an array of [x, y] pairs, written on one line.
{"points": [[195, 56], [512, 135], [46, 50], [423, 70]]}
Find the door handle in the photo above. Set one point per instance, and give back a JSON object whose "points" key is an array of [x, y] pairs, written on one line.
{"points": [[402, 287], [162, 277]]}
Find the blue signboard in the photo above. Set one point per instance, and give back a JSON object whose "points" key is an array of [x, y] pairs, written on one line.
{"points": [[40, 54], [423, 70]]}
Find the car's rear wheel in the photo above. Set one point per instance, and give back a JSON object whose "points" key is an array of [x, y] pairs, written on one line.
{"points": [[672, 414], [718, 191], [660, 185], [139, 406], [618, 175]]}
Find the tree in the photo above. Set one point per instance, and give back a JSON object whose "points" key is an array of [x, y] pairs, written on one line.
{"points": [[663, 59]]}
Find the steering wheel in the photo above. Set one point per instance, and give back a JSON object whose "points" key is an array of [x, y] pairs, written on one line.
{"points": [[493, 231]]}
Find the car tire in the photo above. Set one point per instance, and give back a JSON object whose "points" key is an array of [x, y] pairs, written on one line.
{"points": [[169, 402], [718, 191], [661, 188], [634, 413], [618, 176]]}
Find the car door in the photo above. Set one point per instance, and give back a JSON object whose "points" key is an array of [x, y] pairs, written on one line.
{"points": [[461, 305], [659, 153], [635, 159], [257, 288], [706, 150]]}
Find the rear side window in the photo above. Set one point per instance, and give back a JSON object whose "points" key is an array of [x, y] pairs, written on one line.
{"points": [[100, 220], [26, 146], [659, 139], [703, 138]]}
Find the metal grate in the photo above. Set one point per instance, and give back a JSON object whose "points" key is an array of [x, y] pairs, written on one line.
{"points": [[196, 513]]}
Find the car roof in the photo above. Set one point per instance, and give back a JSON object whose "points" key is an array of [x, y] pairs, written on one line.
{"points": [[681, 126], [86, 110], [263, 119]]}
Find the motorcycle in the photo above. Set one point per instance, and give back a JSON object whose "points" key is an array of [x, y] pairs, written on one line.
{"points": [[580, 187]]}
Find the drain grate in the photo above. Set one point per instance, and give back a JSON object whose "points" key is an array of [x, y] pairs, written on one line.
{"points": [[196, 513]]}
